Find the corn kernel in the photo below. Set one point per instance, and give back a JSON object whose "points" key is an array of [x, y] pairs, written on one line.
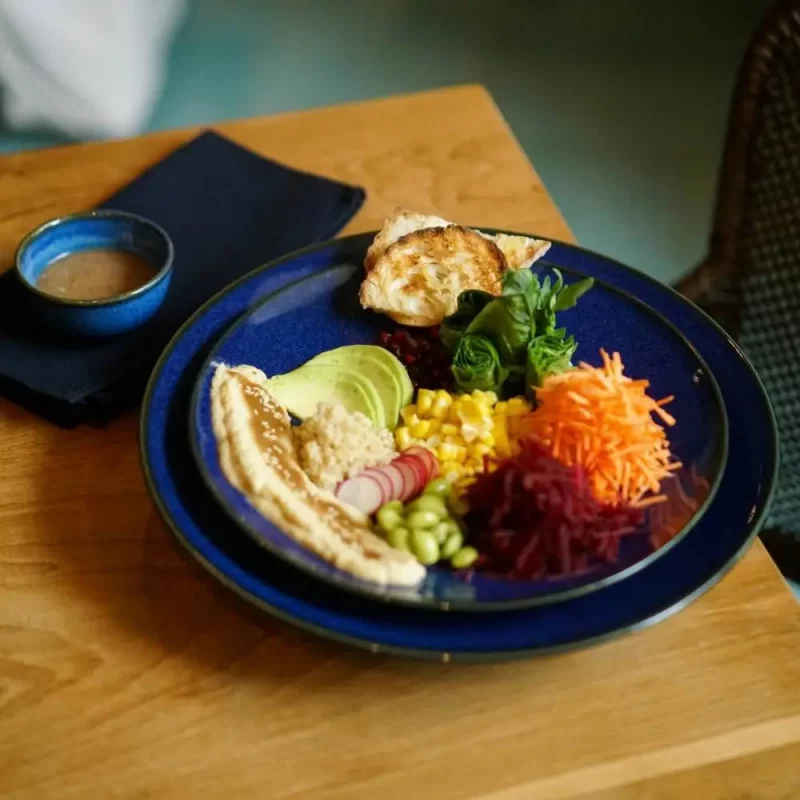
{"points": [[403, 438], [478, 451], [447, 451], [408, 412], [502, 446], [455, 439], [448, 429], [443, 396], [517, 406], [487, 439], [420, 429], [487, 398], [441, 405], [452, 471], [435, 426], [452, 415], [425, 399]]}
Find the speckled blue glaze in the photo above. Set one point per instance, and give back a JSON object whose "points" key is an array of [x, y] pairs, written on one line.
{"points": [[690, 568], [87, 231], [323, 312]]}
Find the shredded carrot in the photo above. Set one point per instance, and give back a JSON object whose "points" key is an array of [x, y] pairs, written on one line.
{"points": [[601, 420]]}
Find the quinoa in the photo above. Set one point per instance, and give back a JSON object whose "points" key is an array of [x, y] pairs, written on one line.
{"points": [[335, 444]]}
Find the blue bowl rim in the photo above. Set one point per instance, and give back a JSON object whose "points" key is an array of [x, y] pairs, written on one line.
{"points": [[162, 272], [752, 527], [380, 594]]}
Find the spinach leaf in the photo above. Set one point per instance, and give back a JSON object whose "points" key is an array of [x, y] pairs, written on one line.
{"points": [[569, 295], [520, 281], [454, 326], [476, 365], [508, 323], [549, 354]]}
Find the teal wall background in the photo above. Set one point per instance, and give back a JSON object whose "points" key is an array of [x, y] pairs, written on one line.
{"points": [[620, 104]]}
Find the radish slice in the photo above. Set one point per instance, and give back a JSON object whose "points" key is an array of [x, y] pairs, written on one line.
{"points": [[384, 481], [362, 492], [427, 456], [395, 476], [418, 465], [411, 484]]}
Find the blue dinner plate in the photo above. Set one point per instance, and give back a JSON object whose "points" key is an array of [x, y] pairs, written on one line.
{"points": [[689, 568], [322, 312]]}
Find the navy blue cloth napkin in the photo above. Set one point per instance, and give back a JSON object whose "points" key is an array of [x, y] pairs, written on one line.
{"points": [[227, 210]]}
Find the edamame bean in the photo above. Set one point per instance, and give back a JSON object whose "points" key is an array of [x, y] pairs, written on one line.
{"points": [[464, 557], [453, 525], [424, 546], [452, 544], [398, 538], [389, 516], [440, 487], [442, 531], [422, 520], [429, 502]]}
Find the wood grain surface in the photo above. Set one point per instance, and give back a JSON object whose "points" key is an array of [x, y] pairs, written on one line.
{"points": [[124, 673]]}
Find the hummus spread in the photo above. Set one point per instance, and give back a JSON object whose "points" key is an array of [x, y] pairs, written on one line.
{"points": [[257, 456]]}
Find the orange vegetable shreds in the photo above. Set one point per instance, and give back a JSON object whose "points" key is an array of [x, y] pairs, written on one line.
{"points": [[601, 420]]}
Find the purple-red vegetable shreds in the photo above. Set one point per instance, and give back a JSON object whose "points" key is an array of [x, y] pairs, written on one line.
{"points": [[535, 517], [422, 354]]}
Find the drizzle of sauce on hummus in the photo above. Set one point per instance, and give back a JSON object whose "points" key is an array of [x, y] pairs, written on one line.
{"points": [[257, 456], [267, 423]]}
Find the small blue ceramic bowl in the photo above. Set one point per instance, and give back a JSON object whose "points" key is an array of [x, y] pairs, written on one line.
{"points": [[91, 230]]}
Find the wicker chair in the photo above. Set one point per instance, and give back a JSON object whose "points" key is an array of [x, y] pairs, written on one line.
{"points": [[750, 282]]}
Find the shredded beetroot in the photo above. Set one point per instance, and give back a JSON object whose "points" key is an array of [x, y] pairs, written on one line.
{"points": [[534, 517], [422, 354]]}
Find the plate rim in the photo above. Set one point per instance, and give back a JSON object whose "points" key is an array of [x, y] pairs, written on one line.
{"points": [[752, 526], [380, 594]]}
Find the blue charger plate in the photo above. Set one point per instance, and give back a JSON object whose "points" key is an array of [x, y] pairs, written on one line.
{"points": [[688, 569], [322, 312]]}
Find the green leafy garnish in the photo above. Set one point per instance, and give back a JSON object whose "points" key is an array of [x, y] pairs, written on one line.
{"points": [[495, 340], [507, 321], [549, 354], [477, 365], [470, 304]]}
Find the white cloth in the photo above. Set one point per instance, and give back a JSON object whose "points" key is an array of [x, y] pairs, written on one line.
{"points": [[87, 68]]}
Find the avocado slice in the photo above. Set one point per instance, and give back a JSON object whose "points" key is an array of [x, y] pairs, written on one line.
{"points": [[302, 389], [382, 368], [390, 360]]}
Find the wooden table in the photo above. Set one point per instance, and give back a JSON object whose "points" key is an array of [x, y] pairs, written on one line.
{"points": [[123, 674]]}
